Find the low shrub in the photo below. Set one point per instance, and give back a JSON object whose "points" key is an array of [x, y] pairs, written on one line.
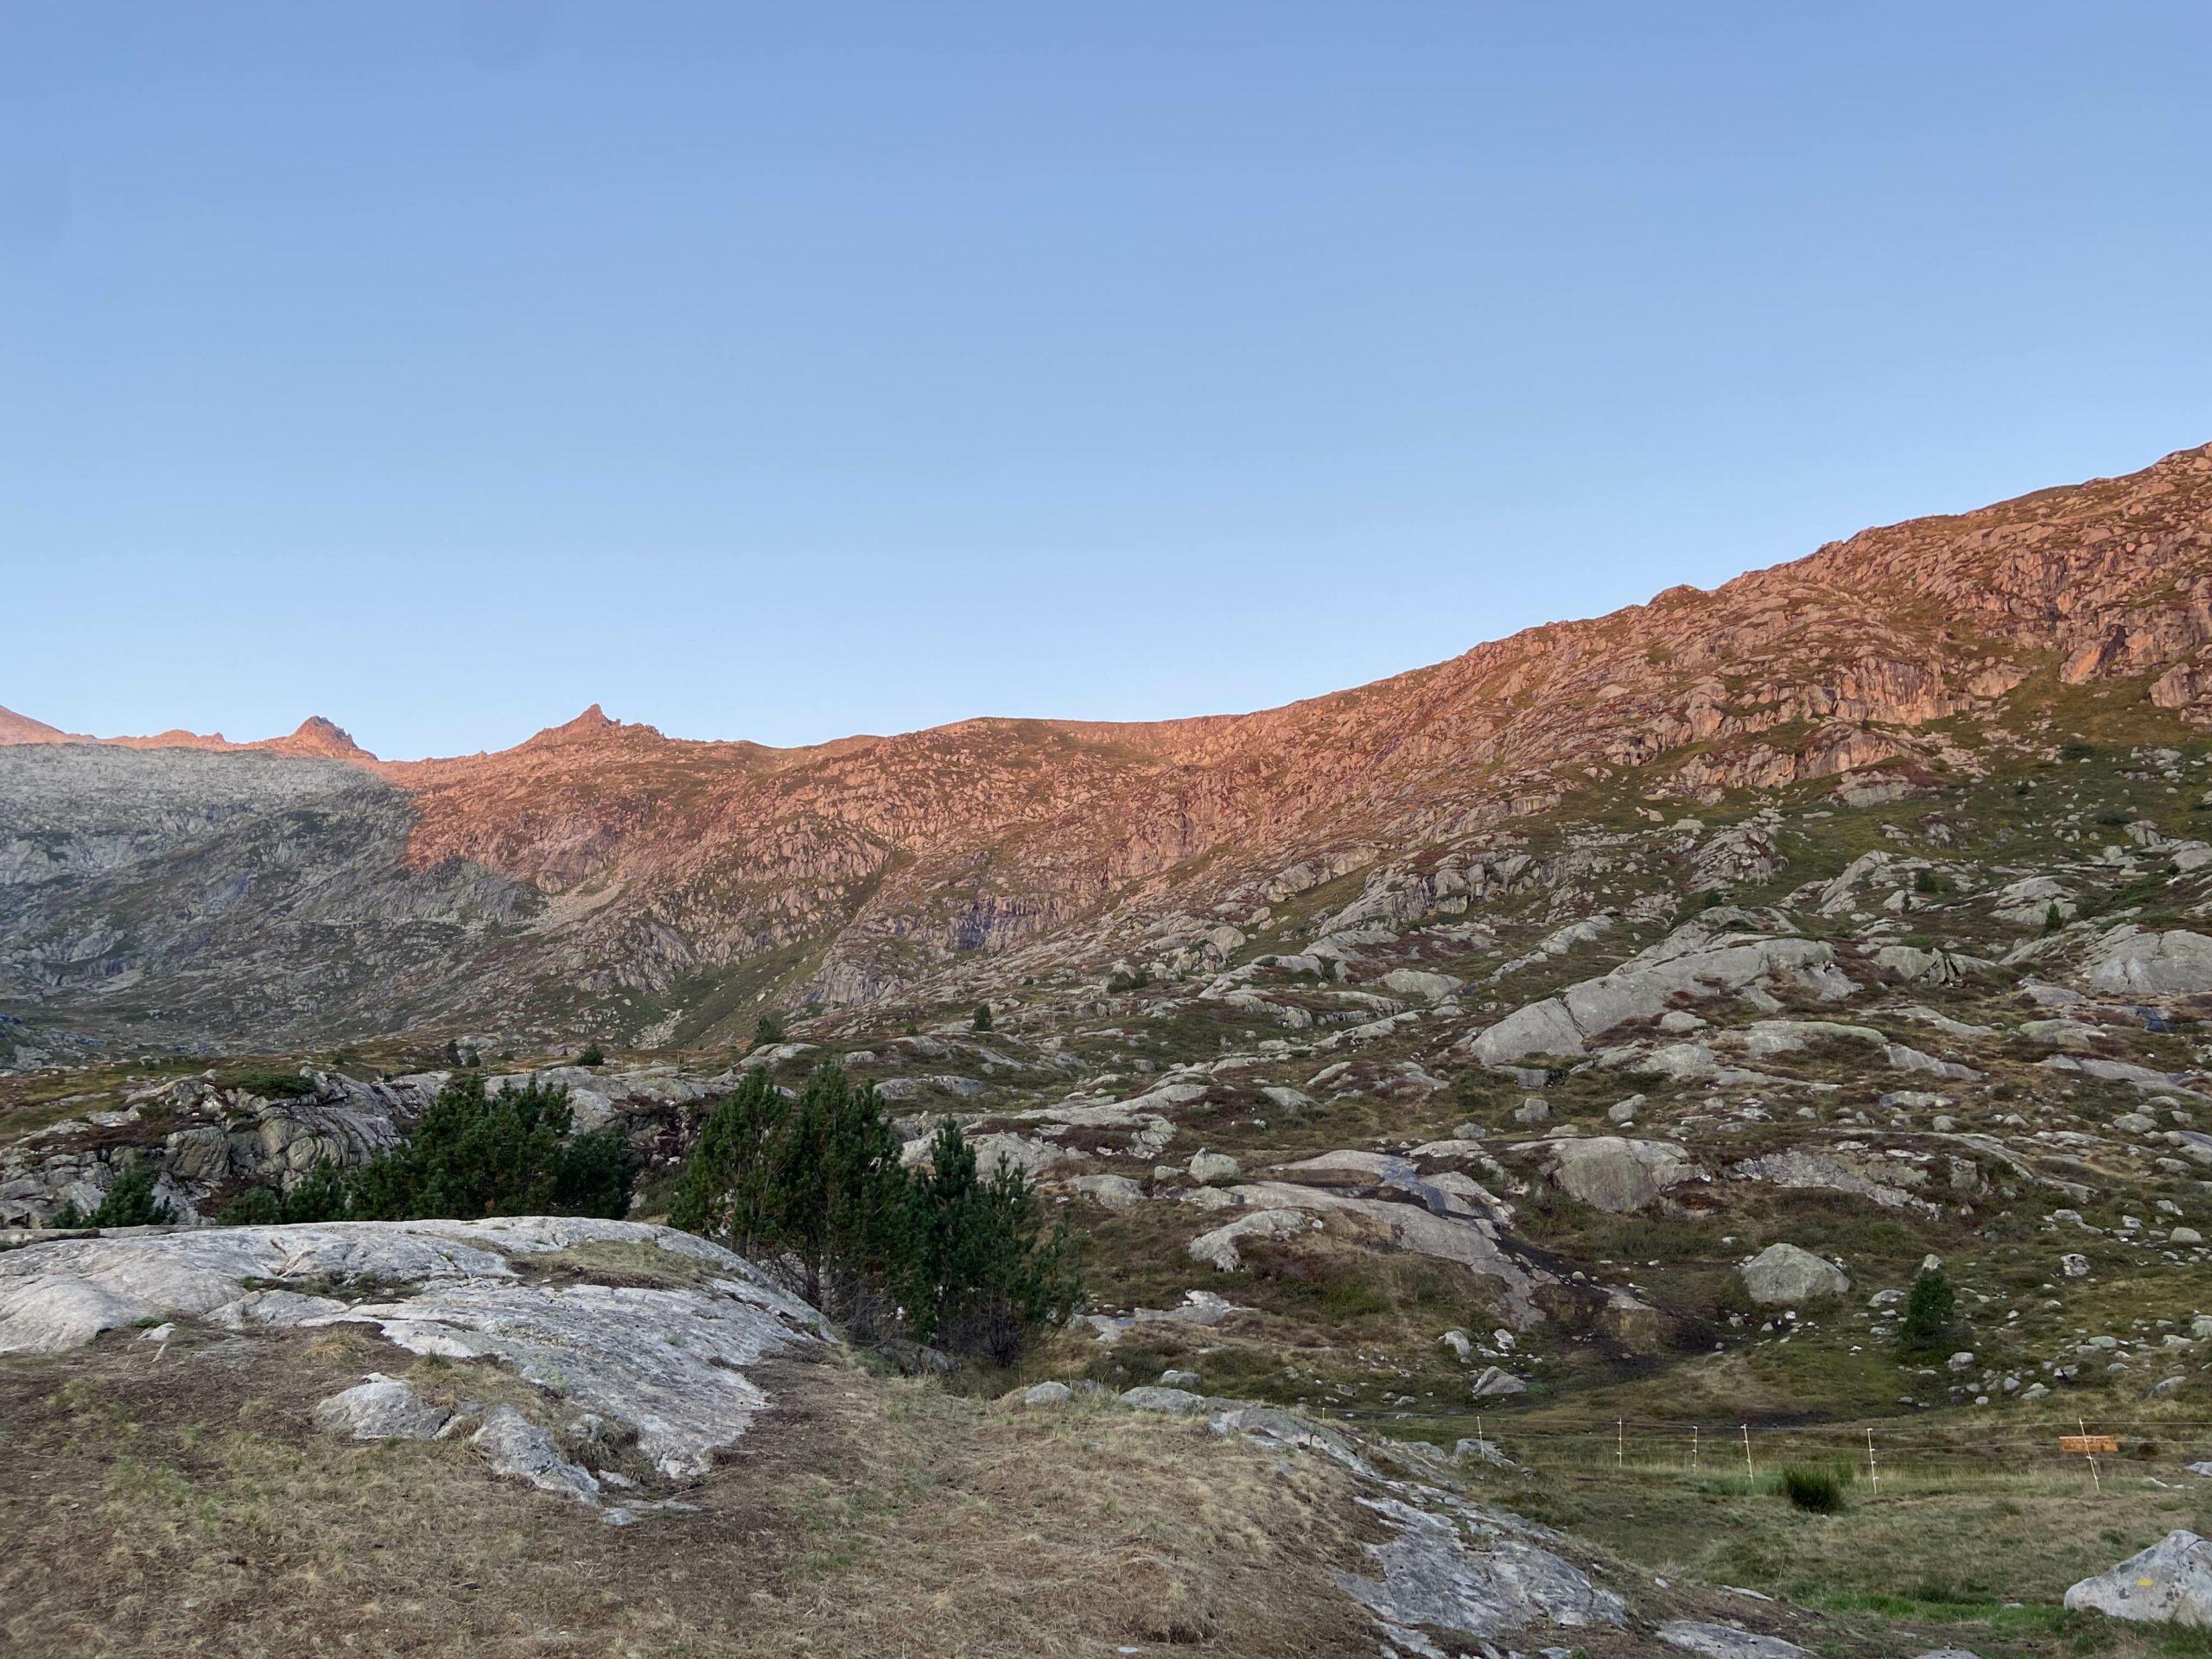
{"points": [[272, 1086], [130, 1203], [510, 1153], [1817, 1492], [321, 1195], [812, 1190]]}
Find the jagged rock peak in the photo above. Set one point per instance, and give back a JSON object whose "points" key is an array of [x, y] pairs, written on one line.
{"points": [[318, 736], [590, 726]]}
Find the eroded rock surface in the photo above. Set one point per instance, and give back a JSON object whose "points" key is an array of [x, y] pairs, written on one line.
{"points": [[2170, 1583], [1694, 964], [2131, 962], [1477, 1574], [671, 1364]]}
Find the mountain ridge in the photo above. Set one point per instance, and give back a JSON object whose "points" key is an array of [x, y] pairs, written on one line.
{"points": [[677, 879], [314, 736], [1860, 556]]}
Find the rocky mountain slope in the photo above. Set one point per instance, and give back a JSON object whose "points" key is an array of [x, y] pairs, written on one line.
{"points": [[1530, 1087], [665, 890]]}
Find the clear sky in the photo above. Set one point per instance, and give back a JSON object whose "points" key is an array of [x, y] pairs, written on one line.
{"points": [[787, 371]]}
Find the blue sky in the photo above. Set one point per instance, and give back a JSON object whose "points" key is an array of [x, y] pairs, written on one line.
{"points": [[784, 372]]}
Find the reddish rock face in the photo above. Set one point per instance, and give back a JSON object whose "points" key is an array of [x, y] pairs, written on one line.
{"points": [[21, 729], [894, 858]]}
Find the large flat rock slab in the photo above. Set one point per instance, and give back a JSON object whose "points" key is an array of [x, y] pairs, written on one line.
{"points": [[669, 1362], [57, 1295]]}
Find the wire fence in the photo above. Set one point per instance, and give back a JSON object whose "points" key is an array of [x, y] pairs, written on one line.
{"points": [[1752, 1454]]}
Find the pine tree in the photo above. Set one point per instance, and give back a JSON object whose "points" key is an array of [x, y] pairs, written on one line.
{"points": [[728, 1190], [1928, 1311], [810, 1189], [130, 1203], [258, 1206], [982, 1018], [321, 1196], [984, 1274], [511, 1154], [844, 1195]]}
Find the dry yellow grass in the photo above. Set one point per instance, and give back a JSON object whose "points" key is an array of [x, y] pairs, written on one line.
{"points": [[187, 1507]]}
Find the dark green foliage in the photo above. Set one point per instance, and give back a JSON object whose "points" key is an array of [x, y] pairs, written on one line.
{"points": [[272, 1086], [728, 1188], [595, 1174], [843, 1193], [321, 1195], [130, 1203], [1928, 1311], [258, 1206], [510, 1153], [810, 1189], [983, 1019], [767, 1030], [593, 1055], [1137, 981], [2052, 921], [984, 1276], [1818, 1491]]}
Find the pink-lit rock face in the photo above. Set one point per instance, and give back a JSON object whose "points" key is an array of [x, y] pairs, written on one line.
{"points": [[880, 869]]}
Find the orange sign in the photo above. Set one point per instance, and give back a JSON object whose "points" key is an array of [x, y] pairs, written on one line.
{"points": [[2087, 1444]]}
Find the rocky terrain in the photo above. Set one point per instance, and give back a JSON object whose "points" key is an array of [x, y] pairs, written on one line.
{"points": [[663, 892], [1506, 1108]]}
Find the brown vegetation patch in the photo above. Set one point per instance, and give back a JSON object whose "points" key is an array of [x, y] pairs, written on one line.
{"points": [[181, 1503]]}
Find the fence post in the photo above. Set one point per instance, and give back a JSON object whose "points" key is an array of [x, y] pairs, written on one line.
{"points": [[1620, 1443], [1693, 1448], [1751, 1480], [1873, 1469]]}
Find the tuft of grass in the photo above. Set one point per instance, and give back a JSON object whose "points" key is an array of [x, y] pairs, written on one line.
{"points": [[1817, 1492]]}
